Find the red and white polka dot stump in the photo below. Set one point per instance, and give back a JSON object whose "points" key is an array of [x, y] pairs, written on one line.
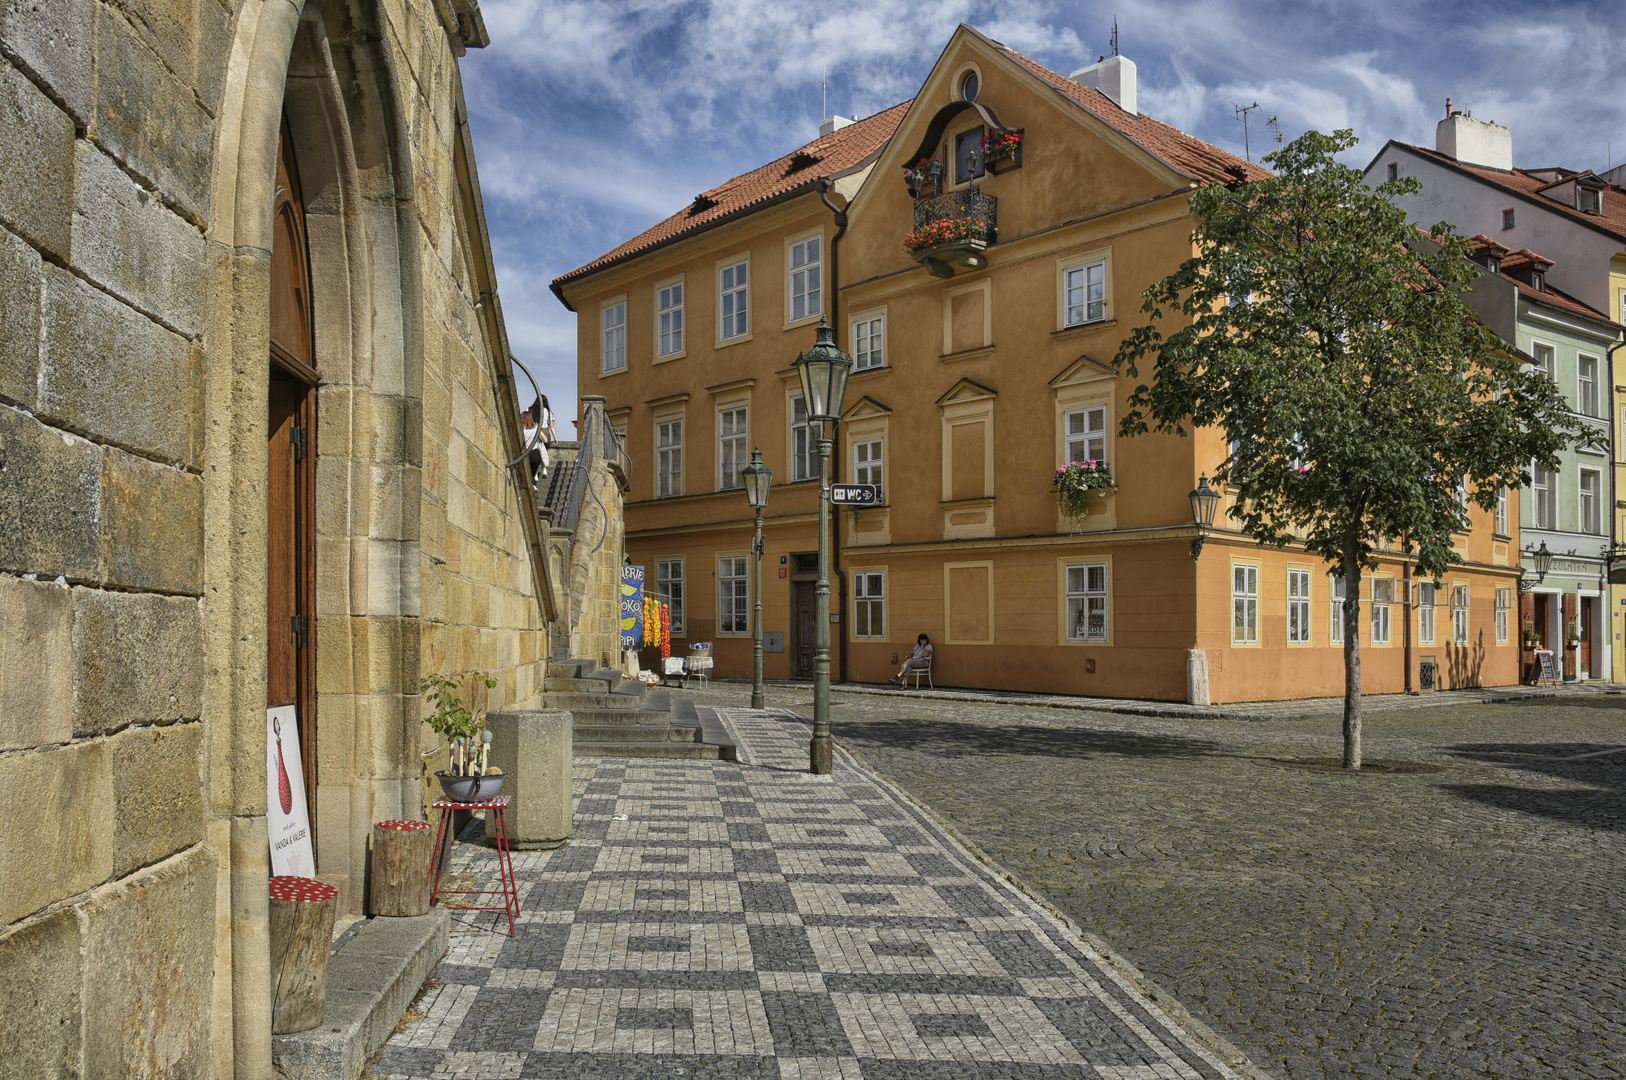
{"points": [[401, 868], [497, 810], [302, 914]]}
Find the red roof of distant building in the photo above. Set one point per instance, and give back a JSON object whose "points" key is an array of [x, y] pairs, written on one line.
{"points": [[796, 173], [1528, 183]]}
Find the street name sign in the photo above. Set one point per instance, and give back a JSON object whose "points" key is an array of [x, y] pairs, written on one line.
{"points": [[854, 494]]}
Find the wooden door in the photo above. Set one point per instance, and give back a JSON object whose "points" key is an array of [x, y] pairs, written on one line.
{"points": [[1544, 615], [1584, 653], [802, 626], [290, 486]]}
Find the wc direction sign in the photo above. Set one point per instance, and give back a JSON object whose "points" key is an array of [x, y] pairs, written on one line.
{"points": [[854, 494]]}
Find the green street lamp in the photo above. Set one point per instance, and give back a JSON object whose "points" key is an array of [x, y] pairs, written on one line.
{"points": [[823, 369], [1204, 501], [758, 477]]}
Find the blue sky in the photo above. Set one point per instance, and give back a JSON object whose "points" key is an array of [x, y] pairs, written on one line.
{"points": [[593, 120]]}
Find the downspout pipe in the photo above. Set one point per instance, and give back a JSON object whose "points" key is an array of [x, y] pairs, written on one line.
{"points": [[825, 185]]}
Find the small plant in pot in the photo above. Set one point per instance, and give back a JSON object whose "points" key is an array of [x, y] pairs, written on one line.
{"points": [[470, 778], [1530, 635]]}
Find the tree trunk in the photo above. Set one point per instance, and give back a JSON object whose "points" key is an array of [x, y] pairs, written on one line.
{"points": [[302, 913], [1352, 654], [403, 864]]}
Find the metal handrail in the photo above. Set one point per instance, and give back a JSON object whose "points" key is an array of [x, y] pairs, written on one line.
{"points": [[966, 203]]}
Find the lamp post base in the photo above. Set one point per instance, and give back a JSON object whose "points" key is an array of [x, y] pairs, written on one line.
{"points": [[820, 756]]}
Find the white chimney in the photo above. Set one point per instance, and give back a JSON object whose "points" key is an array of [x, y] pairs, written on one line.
{"points": [[1475, 142], [835, 123], [1114, 76]]}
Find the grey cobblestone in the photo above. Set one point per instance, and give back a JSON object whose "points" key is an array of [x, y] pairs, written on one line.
{"points": [[1466, 923], [800, 927]]}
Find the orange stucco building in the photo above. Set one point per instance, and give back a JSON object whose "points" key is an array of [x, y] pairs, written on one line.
{"points": [[983, 364]]}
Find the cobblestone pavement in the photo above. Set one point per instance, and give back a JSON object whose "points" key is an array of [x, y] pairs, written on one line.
{"points": [[723, 919], [1466, 923]]}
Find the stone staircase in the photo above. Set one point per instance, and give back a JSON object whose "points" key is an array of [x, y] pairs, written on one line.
{"points": [[617, 717]]}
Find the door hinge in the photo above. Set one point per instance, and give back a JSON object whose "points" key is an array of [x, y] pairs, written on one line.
{"points": [[296, 436], [300, 629]]}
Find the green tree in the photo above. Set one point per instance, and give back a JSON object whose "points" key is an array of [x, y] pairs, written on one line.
{"points": [[1325, 336]]}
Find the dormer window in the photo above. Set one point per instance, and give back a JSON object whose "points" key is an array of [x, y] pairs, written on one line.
{"points": [[1538, 281], [1493, 264], [1588, 200]]}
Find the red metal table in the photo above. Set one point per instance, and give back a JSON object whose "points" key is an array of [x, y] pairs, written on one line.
{"points": [[498, 807]]}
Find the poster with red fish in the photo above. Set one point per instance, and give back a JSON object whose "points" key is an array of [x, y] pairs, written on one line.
{"points": [[286, 819]]}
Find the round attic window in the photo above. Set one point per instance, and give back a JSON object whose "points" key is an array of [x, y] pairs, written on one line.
{"points": [[968, 86]]}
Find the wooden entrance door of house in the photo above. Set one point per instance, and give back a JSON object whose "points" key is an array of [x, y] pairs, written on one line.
{"points": [[1543, 620], [1583, 654], [802, 626], [291, 459]]}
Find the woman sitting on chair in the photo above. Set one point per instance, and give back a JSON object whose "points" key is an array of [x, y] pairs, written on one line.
{"points": [[919, 660]]}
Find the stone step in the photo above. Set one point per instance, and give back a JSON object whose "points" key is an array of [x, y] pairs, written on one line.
{"points": [[571, 669], [563, 684], [682, 751], [631, 733], [600, 702], [617, 718], [610, 676]]}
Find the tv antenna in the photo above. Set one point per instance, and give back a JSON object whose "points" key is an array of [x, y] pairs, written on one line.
{"points": [[1115, 35], [824, 91], [1242, 112], [1276, 126]]}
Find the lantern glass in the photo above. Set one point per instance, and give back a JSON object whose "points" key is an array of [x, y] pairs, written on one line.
{"points": [[758, 477], [823, 370], [1204, 501], [1544, 560]]}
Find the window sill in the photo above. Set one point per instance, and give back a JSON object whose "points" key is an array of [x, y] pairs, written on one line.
{"points": [[967, 354], [966, 504], [617, 371], [738, 339], [671, 356], [804, 321], [1083, 328], [876, 370]]}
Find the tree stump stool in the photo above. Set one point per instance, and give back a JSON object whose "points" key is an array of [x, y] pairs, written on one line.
{"points": [[302, 914], [403, 867]]}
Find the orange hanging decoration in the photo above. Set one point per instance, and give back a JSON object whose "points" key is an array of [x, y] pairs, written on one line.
{"points": [[666, 631]]}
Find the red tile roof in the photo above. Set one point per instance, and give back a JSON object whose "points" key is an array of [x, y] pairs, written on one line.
{"points": [[1201, 161], [1484, 245], [1517, 260], [1528, 183], [794, 174]]}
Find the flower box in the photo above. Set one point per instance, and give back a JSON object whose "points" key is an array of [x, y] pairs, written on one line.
{"points": [[1002, 151]]}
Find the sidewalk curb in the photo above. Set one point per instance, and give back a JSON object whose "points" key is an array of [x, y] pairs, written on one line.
{"points": [[1199, 1032]]}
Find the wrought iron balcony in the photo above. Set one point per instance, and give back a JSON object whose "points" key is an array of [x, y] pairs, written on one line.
{"points": [[952, 230]]}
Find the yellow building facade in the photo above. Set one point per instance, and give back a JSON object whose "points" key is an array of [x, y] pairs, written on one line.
{"points": [[983, 365]]}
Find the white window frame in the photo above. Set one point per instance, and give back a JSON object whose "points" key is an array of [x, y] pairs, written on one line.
{"points": [[669, 456], [733, 594], [1460, 603], [1427, 599], [734, 319], [1298, 606], [1087, 601], [1546, 357], [1244, 603], [1589, 504], [612, 339], [733, 442], [669, 329], [1091, 309], [872, 469], [869, 604], [804, 443], [664, 582], [1383, 598], [1504, 604], [1337, 589], [867, 333], [1586, 386], [804, 282], [1086, 434], [1544, 483], [1500, 524]]}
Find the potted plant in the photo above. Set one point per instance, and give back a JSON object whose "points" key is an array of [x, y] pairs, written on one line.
{"points": [[1530, 635], [923, 174], [1082, 486], [943, 232], [470, 779], [1002, 150], [1574, 637]]}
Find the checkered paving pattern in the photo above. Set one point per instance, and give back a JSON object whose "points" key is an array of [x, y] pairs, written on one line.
{"points": [[723, 919]]}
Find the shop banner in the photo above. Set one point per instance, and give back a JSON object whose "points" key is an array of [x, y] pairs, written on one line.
{"points": [[286, 818], [632, 606]]}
